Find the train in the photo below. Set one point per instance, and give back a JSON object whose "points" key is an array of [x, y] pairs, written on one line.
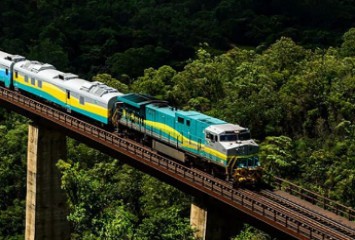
{"points": [[223, 149]]}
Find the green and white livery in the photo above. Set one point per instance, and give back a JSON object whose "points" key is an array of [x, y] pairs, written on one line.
{"points": [[191, 136]]}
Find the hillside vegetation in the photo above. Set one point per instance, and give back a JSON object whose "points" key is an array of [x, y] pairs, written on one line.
{"points": [[286, 71]]}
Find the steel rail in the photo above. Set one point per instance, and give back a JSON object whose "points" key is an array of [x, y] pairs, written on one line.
{"points": [[308, 212], [325, 233], [314, 198], [287, 222]]}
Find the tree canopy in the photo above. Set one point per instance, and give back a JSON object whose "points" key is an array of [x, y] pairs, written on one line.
{"points": [[284, 69]]}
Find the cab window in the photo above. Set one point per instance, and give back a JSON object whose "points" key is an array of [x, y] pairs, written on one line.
{"points": [[181, 120], [228, 138], [245, 135], [211, 137]]}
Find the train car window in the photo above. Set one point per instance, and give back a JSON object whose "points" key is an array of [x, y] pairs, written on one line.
{"points": [[81, 100], [212, 137], [33, 81], [188, 123], [16, 74], [68, 94], [181, 120], [7, 71], [26, 79], [39, 83]]}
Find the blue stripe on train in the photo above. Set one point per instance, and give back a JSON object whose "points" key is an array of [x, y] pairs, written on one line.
{"points": [[6, 78]]}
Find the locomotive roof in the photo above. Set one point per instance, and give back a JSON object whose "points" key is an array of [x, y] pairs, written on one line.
{"points": [[137, 100], [200, 117], [193, 115], [228, 127]]}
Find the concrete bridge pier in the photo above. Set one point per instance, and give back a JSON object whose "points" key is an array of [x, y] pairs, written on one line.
{"points": [[211, 221], [198, 219], [46, 209]]}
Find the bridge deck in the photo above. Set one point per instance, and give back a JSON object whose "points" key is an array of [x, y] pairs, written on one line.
{"points": [[315, 208]]}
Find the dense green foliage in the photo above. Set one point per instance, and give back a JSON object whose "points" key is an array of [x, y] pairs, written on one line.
{"points": [[113, 201], [250, 233], [13, 142], [125, 37], [292, 83]]}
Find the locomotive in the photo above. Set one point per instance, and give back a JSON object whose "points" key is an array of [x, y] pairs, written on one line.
{"points": [[223, 149]]}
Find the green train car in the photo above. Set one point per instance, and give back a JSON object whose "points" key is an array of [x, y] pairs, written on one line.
{"points": [[222, 148]]}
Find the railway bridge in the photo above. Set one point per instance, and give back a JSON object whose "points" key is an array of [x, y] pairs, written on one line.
{"points": [[291, 217]]}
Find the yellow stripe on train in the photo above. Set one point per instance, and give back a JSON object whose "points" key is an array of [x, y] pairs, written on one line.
{"points": [[61, 95]]}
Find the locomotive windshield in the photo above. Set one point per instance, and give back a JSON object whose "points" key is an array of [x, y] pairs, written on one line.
{"points": [[232, 137], [245, 135], [228, 138]]}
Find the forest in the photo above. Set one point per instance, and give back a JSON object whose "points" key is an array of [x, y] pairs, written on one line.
{"points": [[284, 69]]}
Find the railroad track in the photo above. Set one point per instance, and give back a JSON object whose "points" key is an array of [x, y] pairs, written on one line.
{"points": [[300, 213], [321, 230], [327, 221], [314, 198], [271, 211]]}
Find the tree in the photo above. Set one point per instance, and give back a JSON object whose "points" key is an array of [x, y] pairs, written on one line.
{"points": [[166, 224], [283, 56], [163, 210], [277, 156], [316, 168], [48, 52], [348, 45], [200, 78], [112, 82], [155, 82], [251, 233], [134, 60], [13, 141], [108, 200], [96, 211]]}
